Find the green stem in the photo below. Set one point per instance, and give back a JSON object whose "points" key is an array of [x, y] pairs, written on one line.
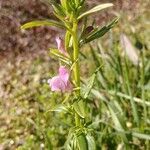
{"points": [[142, 86], [133, 105], [77, 119], [76, 68]]}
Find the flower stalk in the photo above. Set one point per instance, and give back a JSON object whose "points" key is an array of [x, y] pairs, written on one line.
{"points": [[76, 69]]}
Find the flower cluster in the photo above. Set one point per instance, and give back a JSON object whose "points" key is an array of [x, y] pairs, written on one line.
{"points": [[61, 81]]}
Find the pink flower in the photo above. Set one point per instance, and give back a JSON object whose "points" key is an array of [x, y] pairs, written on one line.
{"points": [[61, 81], [60, 45]]}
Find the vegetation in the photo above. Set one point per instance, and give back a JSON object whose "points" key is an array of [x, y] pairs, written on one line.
{"points": [[117, 94]]}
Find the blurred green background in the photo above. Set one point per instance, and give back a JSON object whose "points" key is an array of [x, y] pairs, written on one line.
{"points": [[25, 66]]}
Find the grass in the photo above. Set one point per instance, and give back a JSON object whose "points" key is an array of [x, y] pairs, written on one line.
{"points": [[116, 91], [119, 98]]}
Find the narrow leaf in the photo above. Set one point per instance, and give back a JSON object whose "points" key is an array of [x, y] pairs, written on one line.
{"points": [[90, 85], [115, 119], [95, 9], [91, 142], [42, 23], [122, 95], [59, 108], [82, 142], [59, 55], [141, 135], [101, 31], [80, 108], [117, 122]]}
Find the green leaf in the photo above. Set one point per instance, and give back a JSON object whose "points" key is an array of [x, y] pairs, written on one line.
{"points": [[117, 122], [59, 55], [66, 5], [141, 135], [100, 32], [82, 142], [90, 85], [115, 119], [42, 23], [101, 77], [59, 108], [59, 9], [128, 97], [71, 141], [91, 142], [80, 108], [63, 3], [95, 9], [67, 40]]}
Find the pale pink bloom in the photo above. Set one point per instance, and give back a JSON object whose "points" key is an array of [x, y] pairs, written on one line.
{"points": [[60, 45], [61, 81]]}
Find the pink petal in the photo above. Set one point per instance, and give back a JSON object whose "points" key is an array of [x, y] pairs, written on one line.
{"points": [[60, 45], [57, 84], [69, 86], [61, 81], [64, 73]]}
